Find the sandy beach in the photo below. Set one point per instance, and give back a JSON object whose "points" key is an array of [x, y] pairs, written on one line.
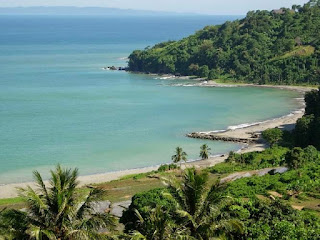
{"points": [[285, 122], [10, 190]]}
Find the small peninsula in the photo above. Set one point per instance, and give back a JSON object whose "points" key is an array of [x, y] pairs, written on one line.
{"points": [[266, 47]]}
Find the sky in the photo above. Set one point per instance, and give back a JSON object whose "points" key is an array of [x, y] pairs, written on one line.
{"points": [[221, 7]]}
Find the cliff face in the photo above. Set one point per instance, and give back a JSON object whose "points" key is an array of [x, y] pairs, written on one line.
{"points": [[264, 47]]}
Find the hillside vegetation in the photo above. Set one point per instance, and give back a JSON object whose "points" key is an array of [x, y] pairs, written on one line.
{"points": [[275, 47]]}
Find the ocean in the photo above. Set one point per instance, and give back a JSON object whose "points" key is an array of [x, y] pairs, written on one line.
{"points": [[58, 105]]}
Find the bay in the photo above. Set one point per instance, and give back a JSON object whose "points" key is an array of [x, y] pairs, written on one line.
{"points": [[57, 105]]}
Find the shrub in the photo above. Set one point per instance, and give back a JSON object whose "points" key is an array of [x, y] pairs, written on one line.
{"points": [[203, 71], [144, 202], [168, 167], [272, 136]]}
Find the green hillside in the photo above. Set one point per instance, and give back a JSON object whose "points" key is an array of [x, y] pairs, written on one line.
{"points": [[276, 47]]}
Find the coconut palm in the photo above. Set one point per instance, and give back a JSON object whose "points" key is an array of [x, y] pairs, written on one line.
{"points": [[179, 156], [204, 151], [198, 206], [158, 225], [13, 224], [58, 211]]}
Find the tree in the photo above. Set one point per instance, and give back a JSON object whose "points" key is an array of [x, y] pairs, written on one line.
{"points": [[307, 128], [312, 100], [204, 71], [204, 151], [295, 158], [193, 69], [311, 154], [213, 74], [179, 156], [232, 157], [197, 206], [302, 131], [273, 135], [58, 211]]}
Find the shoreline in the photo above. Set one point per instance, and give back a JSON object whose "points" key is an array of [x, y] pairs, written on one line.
{"points": [[300, 89], [286, 122], [212, 83], [203, 82], [10, 190]]}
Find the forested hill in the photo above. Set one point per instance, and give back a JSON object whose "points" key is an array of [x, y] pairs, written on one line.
{"points": [[275, 47]]}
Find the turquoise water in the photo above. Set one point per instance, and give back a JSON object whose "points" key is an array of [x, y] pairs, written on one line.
{"points": [[58, 106]]}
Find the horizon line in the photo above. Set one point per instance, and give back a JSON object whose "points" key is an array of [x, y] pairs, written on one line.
{"points": [[123, 9]]}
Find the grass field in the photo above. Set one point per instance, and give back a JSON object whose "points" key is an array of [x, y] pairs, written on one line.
{"points": [[297, 51], [126, 187]]}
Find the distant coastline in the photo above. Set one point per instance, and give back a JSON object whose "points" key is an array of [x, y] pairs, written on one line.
{"points": [[94, 11]]}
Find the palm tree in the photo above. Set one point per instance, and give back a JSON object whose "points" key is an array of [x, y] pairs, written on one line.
{"points": [[59, 211], [179, 156], [156, 226], [13, 224], [204, 151], [198, 206]]}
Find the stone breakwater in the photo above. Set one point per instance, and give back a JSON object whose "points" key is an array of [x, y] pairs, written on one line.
{"points": [[250, 134], [254, 138]]}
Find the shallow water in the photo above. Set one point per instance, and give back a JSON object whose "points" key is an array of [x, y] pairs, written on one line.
{"points": [[58, 106]]}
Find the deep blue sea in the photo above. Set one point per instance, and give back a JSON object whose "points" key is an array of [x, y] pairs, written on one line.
{"points": [[57, 105]]}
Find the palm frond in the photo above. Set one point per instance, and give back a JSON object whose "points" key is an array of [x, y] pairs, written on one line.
{"points": [[174, 192], [137, 236], [138, 215], [229, 226], [84, 235], [42, 187], [40, 234], [35, 201]]}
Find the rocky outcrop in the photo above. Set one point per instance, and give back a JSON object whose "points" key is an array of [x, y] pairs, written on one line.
{"points": [[115, 209], [218, 137], [113, 68]]}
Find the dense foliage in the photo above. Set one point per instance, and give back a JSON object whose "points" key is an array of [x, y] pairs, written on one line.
{"points": [[278, 47], [273, 135], [144, 202], [271, 157], [307, 129], [273, 220], [304, 178], [191, 209]]}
